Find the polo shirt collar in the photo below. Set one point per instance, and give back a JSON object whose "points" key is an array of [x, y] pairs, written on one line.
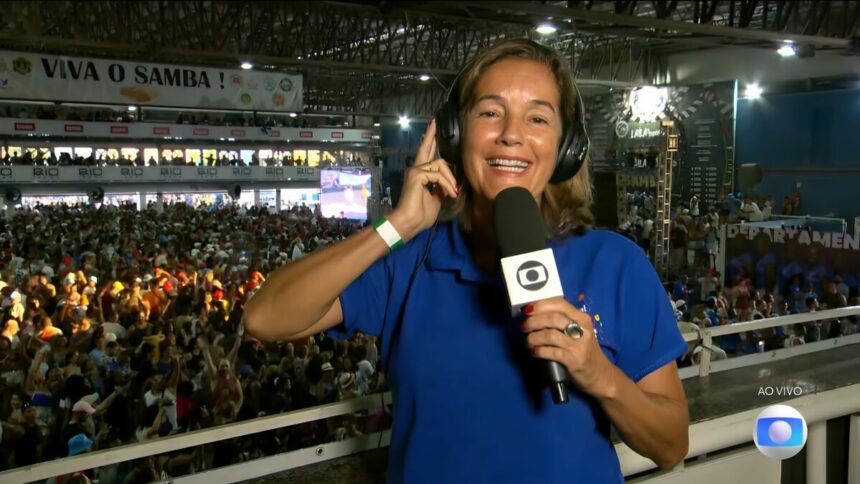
{"points": [[449, 252]]}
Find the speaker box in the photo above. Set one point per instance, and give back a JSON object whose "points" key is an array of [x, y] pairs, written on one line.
{"points": [[13, 196], [605, 206], [749, 176], [97, 195]]}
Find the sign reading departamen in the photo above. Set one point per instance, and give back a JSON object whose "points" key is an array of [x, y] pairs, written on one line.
{"points": [[25, 75]]}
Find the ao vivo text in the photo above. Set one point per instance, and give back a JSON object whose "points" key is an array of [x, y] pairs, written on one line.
{"points": [[784, 391]]}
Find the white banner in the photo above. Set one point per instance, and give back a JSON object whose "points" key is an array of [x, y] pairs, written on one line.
{"points": [[25, 75], [144, 174]]}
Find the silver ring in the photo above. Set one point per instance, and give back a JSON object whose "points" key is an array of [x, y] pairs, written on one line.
{"points": [[573, 330]]}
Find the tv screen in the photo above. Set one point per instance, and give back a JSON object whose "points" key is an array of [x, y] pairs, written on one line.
{"points": [[344, 192]]}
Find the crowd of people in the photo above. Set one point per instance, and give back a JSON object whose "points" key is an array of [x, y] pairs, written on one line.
{"points": [[123, 115], [122, 326], [65, 159]]}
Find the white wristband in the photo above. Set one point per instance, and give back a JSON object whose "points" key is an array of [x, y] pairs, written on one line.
{"points": [[388, 233]]}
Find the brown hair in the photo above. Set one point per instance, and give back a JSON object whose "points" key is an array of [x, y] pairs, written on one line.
{"points": [[566, 205]]}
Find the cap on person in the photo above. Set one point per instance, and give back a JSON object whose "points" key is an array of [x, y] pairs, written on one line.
{"points": [[680, 303], [83, 406], [346, 380], [327, 367], [94, 279], [79, 444], [117, 286]]}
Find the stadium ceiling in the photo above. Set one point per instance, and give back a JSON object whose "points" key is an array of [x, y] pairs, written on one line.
{"points": [[366, 57]]}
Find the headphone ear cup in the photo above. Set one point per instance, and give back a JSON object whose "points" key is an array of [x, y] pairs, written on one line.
{"points": [[448, 133], [571, 155]]}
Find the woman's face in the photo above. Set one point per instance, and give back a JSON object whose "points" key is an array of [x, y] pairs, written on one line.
{"points": [[15, 402], [513, 131]]}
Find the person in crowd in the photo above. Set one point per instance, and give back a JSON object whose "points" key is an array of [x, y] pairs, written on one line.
{"points": [[516, 102]]}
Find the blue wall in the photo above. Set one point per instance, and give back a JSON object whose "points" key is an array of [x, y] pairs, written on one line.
{"points": [[808, 138]]}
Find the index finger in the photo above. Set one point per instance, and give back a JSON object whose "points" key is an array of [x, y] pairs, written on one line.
{"points": [[428, 144]]}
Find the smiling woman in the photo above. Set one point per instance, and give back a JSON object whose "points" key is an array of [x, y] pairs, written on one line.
{"points": [[514, 120]]}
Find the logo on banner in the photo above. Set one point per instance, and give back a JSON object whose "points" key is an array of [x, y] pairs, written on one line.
{"points": [[119, 130], [22, 66], [170, 172], [242, 171], [277, 171], [90, 173], [25, 127], [207, 171], [160, 130], [237, 132], [269, 84], [134, 173], [337, 134], [301, 171], [306, 134], [73, 128], [201, 131], [5, 172], [40, 172], [286, 85]]}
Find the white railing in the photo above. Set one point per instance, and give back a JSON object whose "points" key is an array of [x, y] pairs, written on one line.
{"points": [[706, 337], [705, 437]]}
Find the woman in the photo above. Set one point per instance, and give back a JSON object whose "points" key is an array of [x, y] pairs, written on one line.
{"points": [[466, 375]]}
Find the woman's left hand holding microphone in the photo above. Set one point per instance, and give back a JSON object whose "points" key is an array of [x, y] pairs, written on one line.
{"points": [[551, 336]]}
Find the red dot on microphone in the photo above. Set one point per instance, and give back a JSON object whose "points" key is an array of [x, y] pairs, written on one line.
{"points": [[581, 297]]}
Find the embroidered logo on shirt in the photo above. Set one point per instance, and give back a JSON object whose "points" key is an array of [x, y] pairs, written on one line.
{"points": [[586, 305]]}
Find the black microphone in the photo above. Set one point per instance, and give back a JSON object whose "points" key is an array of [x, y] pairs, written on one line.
{"points": [[527, 265]]}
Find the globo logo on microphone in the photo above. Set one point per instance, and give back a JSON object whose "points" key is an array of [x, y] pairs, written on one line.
{"points": [[532, 275]]}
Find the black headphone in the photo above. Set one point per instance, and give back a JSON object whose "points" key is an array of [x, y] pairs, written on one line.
{"points": [[572, 150]]}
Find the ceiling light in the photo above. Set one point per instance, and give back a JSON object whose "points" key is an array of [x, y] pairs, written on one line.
{"points": [[753, 91], [246, 65], [546, 28], [293, 115], [132, 109], [787, 50], [403, 121], [376, 124], [424, 77]]}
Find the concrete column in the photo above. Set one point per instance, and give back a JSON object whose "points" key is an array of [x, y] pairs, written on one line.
{"points": [[816, 453], [159, 202], [257, 197], [854, 449], [141, 201], [277, 199]]}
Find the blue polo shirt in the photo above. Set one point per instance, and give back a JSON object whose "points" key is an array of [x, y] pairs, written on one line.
{"points": [[469, 401]]}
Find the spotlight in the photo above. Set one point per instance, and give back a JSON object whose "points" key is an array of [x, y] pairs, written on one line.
{"points": [[753, 91], [376, 124], [787, 50], [246, 65], [403, 121], [293, 115], [546, 28], [132, 109], [424, 77]]}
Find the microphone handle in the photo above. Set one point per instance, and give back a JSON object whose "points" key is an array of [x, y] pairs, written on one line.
{"points": [[557, 381]]}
